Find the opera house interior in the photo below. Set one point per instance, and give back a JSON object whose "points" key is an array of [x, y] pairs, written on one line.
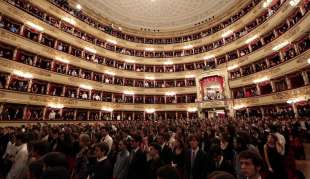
{"points": [[154, 89]]}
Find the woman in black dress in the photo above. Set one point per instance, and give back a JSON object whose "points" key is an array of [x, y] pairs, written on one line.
{"points": [[274, 160], [178, 158]]}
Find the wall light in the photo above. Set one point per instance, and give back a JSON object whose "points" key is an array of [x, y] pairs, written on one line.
{"points": [[267, 3], [86, 87], [232, 67], [110, 73], [149, 49], [279, 46], [149, 78], [129, 92], [22, 74], [188, 47], [249, 40], [90, 49], [150, 110], [130, 61], [112, 41], [309, 60], [193, 109], [239, 106], [227, 33], [35, 26], [61, 60], [108, 109], [261, 80], [168, 62], [69, 20], [294, 2], [208, 57], [55, 105], [170, 93], [78, 7], [296, 100], [190, 76]]}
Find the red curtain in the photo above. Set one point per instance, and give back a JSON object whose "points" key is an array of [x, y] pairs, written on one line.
{"points": [[211, 80]]}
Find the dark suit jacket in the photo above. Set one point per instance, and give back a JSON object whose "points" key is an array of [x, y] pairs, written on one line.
{"points": [[224, 166], [137, 166], [200, 168], [166, 154]]}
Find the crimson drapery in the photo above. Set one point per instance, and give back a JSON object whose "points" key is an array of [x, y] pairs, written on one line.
{"points": [[211, 80]]}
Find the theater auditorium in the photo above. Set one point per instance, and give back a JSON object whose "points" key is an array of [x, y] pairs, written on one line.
{"points": [[154, 89]]}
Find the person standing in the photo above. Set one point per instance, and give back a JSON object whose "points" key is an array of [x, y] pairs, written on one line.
{"points": [[121, 165]]}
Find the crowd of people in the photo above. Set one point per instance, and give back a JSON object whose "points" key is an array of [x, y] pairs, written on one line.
{"points": [[172, 149]]}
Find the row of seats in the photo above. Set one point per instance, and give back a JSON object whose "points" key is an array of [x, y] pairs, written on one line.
{"points": [[28, 58], [162, 54], [286, 82], [37, 86], [45, 39], [19, 112], [110, 29]]}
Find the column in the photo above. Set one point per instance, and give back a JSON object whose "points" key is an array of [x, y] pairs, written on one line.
{"points": [[295, 110], [273, 86], [281, 56], [262, 111], [75, 114], [88, 115], [288, 83], [258, 89], [29, 85], [40, 37], [24, 113], [100, 115], [8, 80], [44, 113], [15, 54], [63, 91], [305, 77], [21, 29]]}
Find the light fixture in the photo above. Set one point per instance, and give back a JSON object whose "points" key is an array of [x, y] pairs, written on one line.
{"points": [[128, 92], [309, 60], [62, 60], [170, 93], [90, 49], [149, 78], [78, 7], [249, 40], [294, 2], [130, 61], [267, 3], [112, 41], [208, 57], [259, 80], [150, 110], [168, 62], [295, 100], [227, 33], [86, 87], [55, 105], [190, 76], [188, 47], [232, 67], [193, 109], [108, 109], [110, 73], [214, 87], [279, 46], [149, 49], [35, 26], [239, 106], [220, 112], [22, 74], [69, 20]]}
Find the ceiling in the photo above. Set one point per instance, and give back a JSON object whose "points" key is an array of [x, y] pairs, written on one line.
{"points": [[163, 15]]}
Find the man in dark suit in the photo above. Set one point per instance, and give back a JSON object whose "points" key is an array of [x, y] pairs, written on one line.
{"points": [[219, 163], [137, 160], [166, 151], [196, 160]]}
